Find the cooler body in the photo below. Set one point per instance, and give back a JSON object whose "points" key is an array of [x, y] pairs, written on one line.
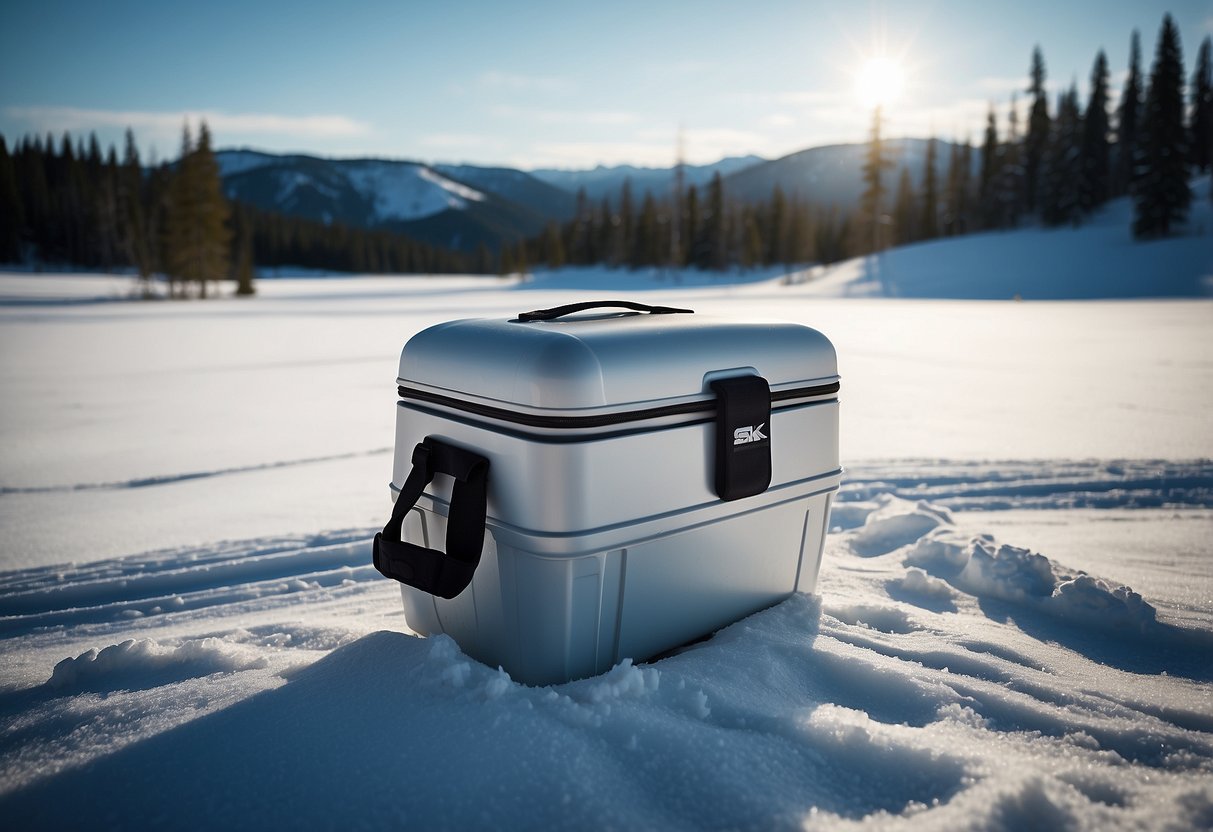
{"points": [[651, 478]]}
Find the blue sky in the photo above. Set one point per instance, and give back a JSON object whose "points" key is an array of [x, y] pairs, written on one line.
{"points": [[542, 84]]}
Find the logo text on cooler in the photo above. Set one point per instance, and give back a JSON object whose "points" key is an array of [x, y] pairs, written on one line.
{"points": [[748, 434]]}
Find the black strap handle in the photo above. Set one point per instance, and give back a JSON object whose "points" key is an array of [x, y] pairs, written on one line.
{"points": [[570, 308], [445, 575]]}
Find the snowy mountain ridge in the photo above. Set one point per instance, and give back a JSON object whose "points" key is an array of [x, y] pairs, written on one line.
{"points": [[397, 190], [452, 206]]}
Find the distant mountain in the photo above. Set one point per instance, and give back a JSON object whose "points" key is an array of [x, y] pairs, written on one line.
{"points": [[606, 181], [463, 206], [833, 175], [457, 207]]}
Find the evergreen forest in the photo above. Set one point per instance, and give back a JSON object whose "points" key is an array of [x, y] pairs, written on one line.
{"points": [[67, 203]]}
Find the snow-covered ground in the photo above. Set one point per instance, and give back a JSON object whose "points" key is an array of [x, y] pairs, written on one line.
{"points": [[193, 635], [1099, 260]]}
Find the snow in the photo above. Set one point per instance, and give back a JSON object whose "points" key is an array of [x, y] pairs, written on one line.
{"points": [[1014, 628], [1098, 260], [232, 162], [403, 191]]}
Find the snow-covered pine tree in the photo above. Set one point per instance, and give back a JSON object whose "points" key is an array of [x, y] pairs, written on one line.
{"points": [[1036, 143], [1128, 115], [1094, 185], [1161, 192], [1201, 132]]}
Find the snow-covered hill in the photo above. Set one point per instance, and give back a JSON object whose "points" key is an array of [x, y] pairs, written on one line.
{"points": [[831, 175], [1097, 260]]}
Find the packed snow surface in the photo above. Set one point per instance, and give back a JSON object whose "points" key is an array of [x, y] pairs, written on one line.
{"points": [[193, 634], [1098, 260]]}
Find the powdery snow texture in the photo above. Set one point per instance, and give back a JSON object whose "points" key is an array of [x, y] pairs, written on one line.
{"points": [[203, 643]]}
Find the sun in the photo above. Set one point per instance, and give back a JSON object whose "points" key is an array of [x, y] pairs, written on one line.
{"points": [[879, 81]]}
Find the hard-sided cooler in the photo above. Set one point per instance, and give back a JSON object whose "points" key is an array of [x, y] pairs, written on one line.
{"points": [[584, 486]]}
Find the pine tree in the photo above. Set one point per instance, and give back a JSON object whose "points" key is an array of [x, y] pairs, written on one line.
{"points": [[904, 210], [693, 231], [208, 210], [1036, 142], [987, 184], [1094, 165], [1061, 183], [1010, 195], [715, 226], [872, 200], [132, 218], [623, 242], [1162, 194], [554, 245], [244, 267], [178, 241], [1201, 132], [1128, 116], [929, 224], [777, 229], [957, 215], [752, 246], [12, 213]]}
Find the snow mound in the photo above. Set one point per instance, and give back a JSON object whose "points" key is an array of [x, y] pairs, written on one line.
{"points": [[136, 662], [895, 523], [917, 582], [985, 569]]}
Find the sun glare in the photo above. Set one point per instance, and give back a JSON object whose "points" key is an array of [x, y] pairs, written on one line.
{"points": [[879, 82]]}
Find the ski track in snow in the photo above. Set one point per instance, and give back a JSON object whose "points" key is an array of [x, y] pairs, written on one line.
{"points": [[941, 681], [169, 479]]}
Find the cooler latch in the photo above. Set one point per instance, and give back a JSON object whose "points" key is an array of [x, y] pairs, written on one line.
{"points": [[743, 436]]}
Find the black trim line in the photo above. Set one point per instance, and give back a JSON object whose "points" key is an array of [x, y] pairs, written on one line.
{"points": [[600, 420]]}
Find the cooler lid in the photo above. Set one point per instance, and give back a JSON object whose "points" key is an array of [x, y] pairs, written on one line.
{"points": [[609, 359]]}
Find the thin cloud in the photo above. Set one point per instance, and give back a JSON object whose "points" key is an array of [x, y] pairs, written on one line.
{"points": [[57, 119]]}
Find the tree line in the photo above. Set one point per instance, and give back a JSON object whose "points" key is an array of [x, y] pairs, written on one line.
{"points": [[66, 203], [1057, 169], [688, 229], [1066, 163]]}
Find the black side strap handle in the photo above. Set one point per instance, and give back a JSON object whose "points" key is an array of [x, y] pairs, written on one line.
{"points": [[569, 309], [445, 575]]}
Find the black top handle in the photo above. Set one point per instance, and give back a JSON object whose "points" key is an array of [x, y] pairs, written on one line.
{"points": [[445, 575], [570, 308]]}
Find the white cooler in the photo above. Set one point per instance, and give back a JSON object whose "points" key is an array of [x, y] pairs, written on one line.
{"points": [[574, 487]]}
